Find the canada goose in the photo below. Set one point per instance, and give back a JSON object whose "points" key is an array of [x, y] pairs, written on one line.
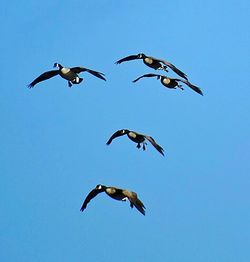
{"points": [[117, 194], [171, 82], [70, 74], [157, 64], [137, 138]]}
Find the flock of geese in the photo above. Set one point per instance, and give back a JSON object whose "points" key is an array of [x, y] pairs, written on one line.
{"points": [[72, 77]]}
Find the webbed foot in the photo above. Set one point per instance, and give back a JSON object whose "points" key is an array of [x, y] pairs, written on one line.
{"points": [[180, 86]]}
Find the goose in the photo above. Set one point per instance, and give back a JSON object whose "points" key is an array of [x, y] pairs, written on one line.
{"points": [[137, 138], [70, 74], [117, 194], [155, 63], [171, 82]]}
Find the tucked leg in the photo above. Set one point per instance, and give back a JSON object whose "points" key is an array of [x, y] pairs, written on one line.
{"points": [[164, 68], [180, 86], [69, 84]]}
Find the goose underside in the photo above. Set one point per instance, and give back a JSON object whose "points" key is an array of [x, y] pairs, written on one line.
{"points": [[70, 76]]}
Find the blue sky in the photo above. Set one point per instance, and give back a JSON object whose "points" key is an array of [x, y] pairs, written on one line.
{"points": [[53, 137]]}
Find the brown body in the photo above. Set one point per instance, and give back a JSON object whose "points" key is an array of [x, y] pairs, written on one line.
{"points": [[137, 138], [70, 74], [171, 82], [117, 194], [155, 63]]}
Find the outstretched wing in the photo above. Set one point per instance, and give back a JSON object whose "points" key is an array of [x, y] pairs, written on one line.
{"points": [[195, 88], [91, 195], [80, 69], [146, 75], [43, 77], [127, 58], [157, 147], [173, 67], [115, 135], [135, 201]]}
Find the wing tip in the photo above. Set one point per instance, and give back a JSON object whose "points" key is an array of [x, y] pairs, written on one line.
{"points": [[142, 210], [108, 142], [198, 90]]}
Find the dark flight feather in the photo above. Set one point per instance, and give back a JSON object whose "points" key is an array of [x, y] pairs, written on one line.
{"points": [[80, 69], [195, 88], [115, 135], [90, 196], [146, 75], [156, 146], [127, 58], [43, 77]]}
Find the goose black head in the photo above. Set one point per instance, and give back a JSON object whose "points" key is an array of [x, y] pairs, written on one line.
{"points": [[141, 55], [124, 131], [57, 65], [159, 77], [100, 187]]}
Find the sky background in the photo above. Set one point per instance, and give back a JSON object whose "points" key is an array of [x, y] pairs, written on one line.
{"points": [[53, 137]]}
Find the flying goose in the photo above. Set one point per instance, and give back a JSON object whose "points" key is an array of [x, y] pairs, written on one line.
{"points": [[137, 138], [157, 64], [117, 194], [172, 82], [70, 74]]}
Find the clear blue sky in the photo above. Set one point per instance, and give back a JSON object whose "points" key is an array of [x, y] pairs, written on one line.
{"points": [[53, 137]]}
